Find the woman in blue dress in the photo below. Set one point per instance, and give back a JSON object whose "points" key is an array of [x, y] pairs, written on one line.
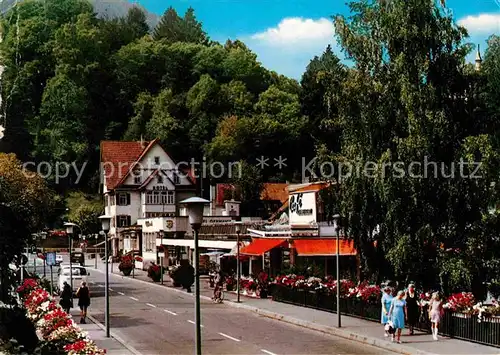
{"points": [[397, 314], [386, 306]]}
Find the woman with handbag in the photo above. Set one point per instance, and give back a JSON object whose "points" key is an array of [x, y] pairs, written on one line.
{"points": [[386, 306]]}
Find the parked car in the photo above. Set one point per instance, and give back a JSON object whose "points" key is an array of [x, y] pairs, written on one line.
{"points": [[79, 274], [78, 258], [59, 259]]}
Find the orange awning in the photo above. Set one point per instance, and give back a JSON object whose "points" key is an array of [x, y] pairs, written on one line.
{"points": [[323, 247], [260, 245]]}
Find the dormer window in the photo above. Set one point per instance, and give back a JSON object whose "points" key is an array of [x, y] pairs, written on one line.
{"points": [[177, 180], [160, 179], [157, 160]]}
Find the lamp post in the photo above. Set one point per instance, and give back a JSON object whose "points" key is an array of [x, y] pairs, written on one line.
{"points": [[237, 226], [336, 219], [69, 231], [195, 206], [105, 221], [44, 236]]}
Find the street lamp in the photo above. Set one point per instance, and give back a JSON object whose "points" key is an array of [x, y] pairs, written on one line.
{"points": [[336, 219], [105, 222], [195, 207], [237, 226], [69, 231], [44, 236]]}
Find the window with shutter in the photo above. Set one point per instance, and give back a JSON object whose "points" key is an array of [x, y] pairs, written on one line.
{"points": [[128, 199]]}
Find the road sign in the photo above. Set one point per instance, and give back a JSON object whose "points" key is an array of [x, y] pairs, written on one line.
{"points": [[51, 259]]}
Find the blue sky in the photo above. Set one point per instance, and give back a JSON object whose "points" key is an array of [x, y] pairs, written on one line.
{"points": [[286, 34]]}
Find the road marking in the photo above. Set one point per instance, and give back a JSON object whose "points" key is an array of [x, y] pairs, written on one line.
{"points": [[267, 352], [133, 298], [109, 288], [172, 313], [229, 337], [192, 322], [121, 293], [150, 305], [100, 285]]}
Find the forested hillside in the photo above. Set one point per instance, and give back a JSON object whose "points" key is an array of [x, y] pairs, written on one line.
{"points": [[72, 80], [409, 98]]}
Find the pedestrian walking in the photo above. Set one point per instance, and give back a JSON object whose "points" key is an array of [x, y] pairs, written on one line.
{"points": [[66, 298], [386, 306], [397, 314], [83, 295], [412, 308], [435, 313]]}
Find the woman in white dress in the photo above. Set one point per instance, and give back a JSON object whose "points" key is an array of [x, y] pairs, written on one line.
{"points": [[435, 313]]}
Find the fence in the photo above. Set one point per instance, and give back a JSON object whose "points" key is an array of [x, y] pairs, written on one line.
{"points": [[454, 325]]}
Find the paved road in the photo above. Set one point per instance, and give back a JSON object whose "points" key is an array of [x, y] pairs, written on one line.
{"points": [[160, 321]]}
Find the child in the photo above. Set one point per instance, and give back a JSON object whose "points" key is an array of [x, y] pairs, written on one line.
{"points": [[435, 313]]}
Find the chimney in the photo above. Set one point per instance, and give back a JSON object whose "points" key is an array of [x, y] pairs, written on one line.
{"points": [[143, 144]]}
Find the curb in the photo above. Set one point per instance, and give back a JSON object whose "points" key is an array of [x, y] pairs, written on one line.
{"points": [[346, 334], [114, 336]]}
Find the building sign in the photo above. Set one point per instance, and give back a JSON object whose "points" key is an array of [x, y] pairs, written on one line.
{"points": [[302, 208], [217, 220], [149, 224], [169, 224], [160, 188]]}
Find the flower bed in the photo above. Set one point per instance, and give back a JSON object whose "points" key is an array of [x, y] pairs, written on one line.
{"points": [[463, 319], [56, 328]]}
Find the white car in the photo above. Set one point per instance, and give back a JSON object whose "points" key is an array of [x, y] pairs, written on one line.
{"points": [[80, 274]]}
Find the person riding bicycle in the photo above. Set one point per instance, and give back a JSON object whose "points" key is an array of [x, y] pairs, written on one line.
{"points": [[219, 282]]}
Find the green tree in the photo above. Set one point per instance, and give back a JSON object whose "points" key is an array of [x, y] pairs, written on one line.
{"points": [[409, 98], [84, 210], [173, 28]]}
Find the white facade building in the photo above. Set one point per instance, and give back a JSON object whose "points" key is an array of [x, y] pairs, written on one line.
{"points": [[139, 182]]}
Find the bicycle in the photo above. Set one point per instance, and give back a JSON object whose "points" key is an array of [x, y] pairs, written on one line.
{"points": [[218, 294]]}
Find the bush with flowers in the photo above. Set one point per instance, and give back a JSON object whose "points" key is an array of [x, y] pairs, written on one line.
{"points": [[55, 328], [154, 272], [462, 302]]}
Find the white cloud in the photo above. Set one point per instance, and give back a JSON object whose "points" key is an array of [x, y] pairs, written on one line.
{"points": [[298, 31], [481, 24], [289, 46]]}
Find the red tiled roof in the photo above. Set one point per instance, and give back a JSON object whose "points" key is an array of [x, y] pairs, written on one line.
{"points": [[313, 187], [274, 192], [118, 158]]}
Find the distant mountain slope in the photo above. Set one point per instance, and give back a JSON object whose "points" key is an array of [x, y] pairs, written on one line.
{"points": [[104, 9]]}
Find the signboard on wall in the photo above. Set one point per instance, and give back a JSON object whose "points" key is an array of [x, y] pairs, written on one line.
{"points": [[302, 208], [218, 220]]}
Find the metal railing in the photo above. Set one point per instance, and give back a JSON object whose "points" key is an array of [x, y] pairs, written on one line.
{"points": [[454, 325]]}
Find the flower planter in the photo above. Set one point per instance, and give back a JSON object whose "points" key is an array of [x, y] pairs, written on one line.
{"points": [[126, 272], [263, 294]]}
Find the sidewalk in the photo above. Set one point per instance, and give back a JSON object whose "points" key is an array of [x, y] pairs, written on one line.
{"points": [[360, 330], [97, 333]]}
